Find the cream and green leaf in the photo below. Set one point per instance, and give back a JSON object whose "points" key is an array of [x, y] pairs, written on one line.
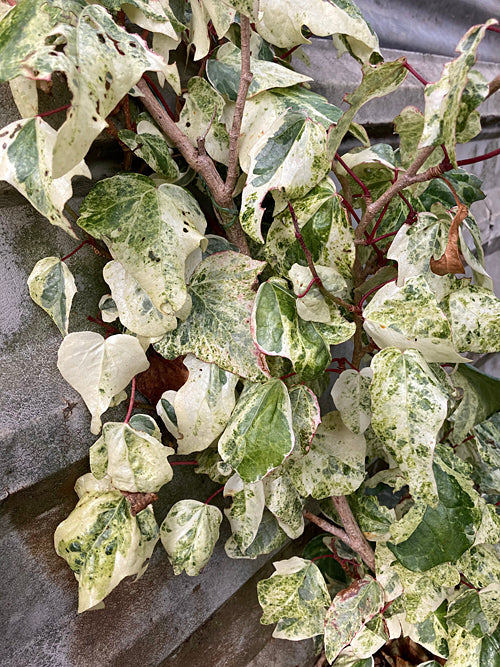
{"points": [[52, 287]]}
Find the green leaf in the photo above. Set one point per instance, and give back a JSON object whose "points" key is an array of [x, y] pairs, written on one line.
{"points": [[224, 71], [295, 597], [305, 416], [335, 463], [408, 409], [474, 314], [324, 227], [154, 150], [259, 435], [478, 612], [377, 82], [291, 157], [284, 501], [52, 287], [269, 538], [100, 369], [103, 543], [442, 99], [247, 508], [350, 610], [351, 395], [189, 533], [218, 328], [25, 162], [134, 460], [480, 565], [151, 231], [280, 23], [409, 317], [467, 187]]}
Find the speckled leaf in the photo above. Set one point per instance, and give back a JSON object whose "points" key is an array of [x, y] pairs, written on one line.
{"points": [[278, 330], [151, 231], [474, 314], [189, 533], [203, 11], [408, 317], [480, 400], [351, 395], [99, 369], [478, 612], [367, 642], [135, 309], [466, 649], [489, 528], [224, 71], [296, 598], [305, 416], [375, 166], [431, 633], [218, 329], [154, 150], [245, 513], [335, 463], [291, 158], [133, 459], [466, 185], [269, 537], [280, 23], [103, 543], [480, 565], [52, 287], [211, 464], [408, 410], [377, 82], [324, 227], [25, 162], [259, 435], [153, 15], [350, 610], [442, 99], [409, 125], [373, 518], [284, 501]]}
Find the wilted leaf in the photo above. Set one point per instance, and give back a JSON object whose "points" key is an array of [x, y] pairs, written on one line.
{"points": [[245, 513], [450, 261], [52, 287], [351, 395]]}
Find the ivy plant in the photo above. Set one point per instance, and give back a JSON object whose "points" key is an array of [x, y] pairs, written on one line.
{"points": [[244, 245]]}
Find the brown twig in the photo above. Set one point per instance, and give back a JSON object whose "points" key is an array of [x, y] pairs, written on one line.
{"points": [[201, 140], [328, 527], [357, 540]]}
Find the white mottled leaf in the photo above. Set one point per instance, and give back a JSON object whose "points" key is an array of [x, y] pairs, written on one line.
{"points": [[431, 633], [25, 162], [306, 416], [154, 150], [189, 533], [88, 484], [260, 434], [134, 460], [99, 369], [269, 538], [218, 328], [52, 287], [367, 642], [311, 304], [474, 314], [150, 231], [109, 311], [408, 410], [103, 543], [351, 395], [247, 508], [204, 11], [478, 612], [211, 464], [480, 565], [284, 501], [25, 96], [296, 598], [335, 463]]}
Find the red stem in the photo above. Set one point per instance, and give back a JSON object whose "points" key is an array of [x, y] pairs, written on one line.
{"points": [[213, 495], [366, 192], [374, 289], [343, 360], [372, 235], [384, 236], [159, 95], [49, 113], [350, 209], [493, 28], [131, 403], [479, 158], [415, 73], [333, 370], [183, 463], [284, 377], [314, 280], [87, 241]]}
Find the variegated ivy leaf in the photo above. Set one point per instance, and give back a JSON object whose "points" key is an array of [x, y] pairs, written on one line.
{"points": [[189, 533], [442, 99], [489, 529], [284, 501], [211, 464], [324, 227], [480, 565], [135, 309], [202, 111], [431, 633], [409, 125], [305, 416], [25, 162], [153, 15], [335, 463], [100, 369], [224, 72], [88, 484], [408, 409], [474, 314], [478, 612], [25, 96], [469, 119], [202, 406], [291, 158], [103, 543], [349, 612], [295, 597], [247, 508], [280, 23], [466, 649], [409, 317], [154, 150], [377, 82], [467, 187], [481, 277], [269, 538], [367, 642], [134, 460], [375, 166], [264, 109], [109, 311], [278, 330], [218, 328], [487, 442], [220, 13], [52, 287], [373, 518], [150, 231], [351, 395], [260, 434], [480, 401]]}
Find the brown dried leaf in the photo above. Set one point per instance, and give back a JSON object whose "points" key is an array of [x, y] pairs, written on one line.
{"points": [[162, 374], [139, 501], [450, 261]]}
